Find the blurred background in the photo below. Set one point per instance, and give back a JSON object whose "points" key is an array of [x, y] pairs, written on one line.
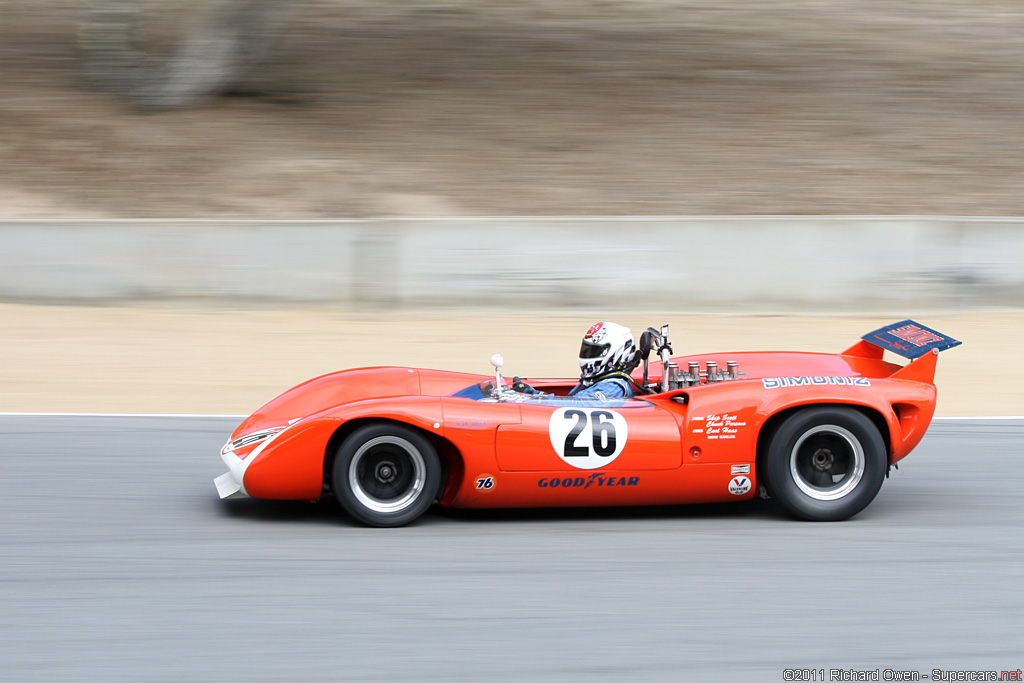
{"points": [[205, 202], [354, 113]]}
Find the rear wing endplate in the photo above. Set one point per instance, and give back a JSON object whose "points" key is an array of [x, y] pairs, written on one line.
{"points": [[909, 339]]}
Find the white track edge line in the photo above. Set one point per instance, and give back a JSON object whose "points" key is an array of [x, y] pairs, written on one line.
{"points": [[983, 417]]}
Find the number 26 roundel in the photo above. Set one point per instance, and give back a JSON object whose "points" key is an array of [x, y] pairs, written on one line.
{"points": [[587, 438]]}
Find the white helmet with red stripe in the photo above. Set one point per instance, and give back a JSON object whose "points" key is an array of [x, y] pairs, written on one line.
{"points": [[607, 347]]}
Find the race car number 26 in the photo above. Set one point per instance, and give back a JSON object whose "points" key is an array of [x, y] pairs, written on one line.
{"points": [[587, 438]]}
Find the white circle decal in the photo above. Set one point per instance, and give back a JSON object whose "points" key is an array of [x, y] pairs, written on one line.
{"points": [[587, 438], [739, 485]]}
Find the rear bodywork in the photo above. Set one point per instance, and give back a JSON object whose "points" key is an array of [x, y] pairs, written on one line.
{"points": [[689, 445]]}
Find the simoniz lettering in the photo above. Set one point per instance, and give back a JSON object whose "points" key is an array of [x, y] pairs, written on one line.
{"points": [[818, 381]]}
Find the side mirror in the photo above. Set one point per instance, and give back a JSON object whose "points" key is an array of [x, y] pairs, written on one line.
{"points": [[646, 341], [645, 345]]}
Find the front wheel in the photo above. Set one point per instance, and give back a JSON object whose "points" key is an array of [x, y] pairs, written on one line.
{"points": [[386, 475], [826, 463]]}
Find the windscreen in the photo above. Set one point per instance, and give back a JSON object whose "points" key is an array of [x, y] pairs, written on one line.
{"points": [[476, 391]]}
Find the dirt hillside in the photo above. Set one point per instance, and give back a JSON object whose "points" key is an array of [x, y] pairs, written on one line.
{"points": [[481, 107]]}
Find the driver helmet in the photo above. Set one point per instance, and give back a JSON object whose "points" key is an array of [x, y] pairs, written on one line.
{"points": [[607, 347]]}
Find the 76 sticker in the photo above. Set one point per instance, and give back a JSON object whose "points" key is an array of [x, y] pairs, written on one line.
{"points": [[587, 438]]}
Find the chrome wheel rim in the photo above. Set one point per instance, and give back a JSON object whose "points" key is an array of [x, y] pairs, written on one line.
{"points": [[827, 462], [387, 474]]}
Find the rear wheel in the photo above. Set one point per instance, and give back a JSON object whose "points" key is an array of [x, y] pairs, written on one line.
{"points": [[386, 475], [826, 463]]}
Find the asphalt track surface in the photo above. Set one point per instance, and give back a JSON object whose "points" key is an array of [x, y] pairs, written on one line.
{"points": [[119, 563]]}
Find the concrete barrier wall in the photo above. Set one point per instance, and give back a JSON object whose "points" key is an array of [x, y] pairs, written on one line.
{"points": [[757, 263]]}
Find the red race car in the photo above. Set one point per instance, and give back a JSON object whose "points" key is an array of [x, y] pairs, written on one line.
{"points": [[815, 432]]}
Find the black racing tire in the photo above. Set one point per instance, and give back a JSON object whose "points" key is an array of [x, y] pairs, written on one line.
{"points": [[386, 475], [826, 463]]}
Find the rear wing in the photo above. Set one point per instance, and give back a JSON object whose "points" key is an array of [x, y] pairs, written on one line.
{"points": [[908, 339]]}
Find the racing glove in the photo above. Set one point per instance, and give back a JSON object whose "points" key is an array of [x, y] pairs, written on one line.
{"points": [[522, 387]]}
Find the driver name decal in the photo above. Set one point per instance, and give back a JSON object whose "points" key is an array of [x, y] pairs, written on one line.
{"points": [[724, 426], [587, 438]]}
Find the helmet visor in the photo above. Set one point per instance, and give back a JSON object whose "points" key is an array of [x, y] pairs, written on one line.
{"points": [[589, 350]]}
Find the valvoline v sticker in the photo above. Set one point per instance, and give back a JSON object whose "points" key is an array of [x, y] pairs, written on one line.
{"points": [[739, 485], [910, 339]]}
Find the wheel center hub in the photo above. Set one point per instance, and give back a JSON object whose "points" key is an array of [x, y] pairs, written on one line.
{"points": [[823, 459], [385, 472]]}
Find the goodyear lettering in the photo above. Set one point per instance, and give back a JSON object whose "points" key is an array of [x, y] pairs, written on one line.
{"points": [[597, 479], [780, 382]]}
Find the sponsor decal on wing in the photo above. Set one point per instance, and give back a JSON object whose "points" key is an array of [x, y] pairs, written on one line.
{"points": [[910, 339]]}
